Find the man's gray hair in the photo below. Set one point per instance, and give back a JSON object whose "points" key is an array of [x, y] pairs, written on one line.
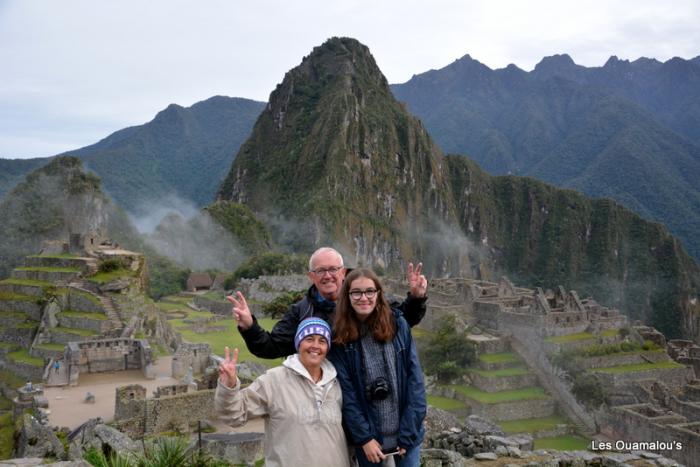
{"points": [[320, 251]]}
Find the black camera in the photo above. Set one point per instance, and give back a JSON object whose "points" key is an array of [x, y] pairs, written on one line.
{"points": [[378, 390]]}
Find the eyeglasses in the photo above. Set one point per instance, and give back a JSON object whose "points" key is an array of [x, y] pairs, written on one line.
{"points": [[357, 294], [320, 272]]}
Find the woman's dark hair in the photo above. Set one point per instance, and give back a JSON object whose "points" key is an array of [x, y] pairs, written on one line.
{"points": [[380, 322]]}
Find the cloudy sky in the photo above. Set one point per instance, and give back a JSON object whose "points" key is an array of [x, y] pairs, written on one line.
{"points": [[74, 71]]}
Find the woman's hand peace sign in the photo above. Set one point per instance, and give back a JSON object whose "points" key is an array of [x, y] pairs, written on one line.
{"points": [[227, 368], [241, 312]]}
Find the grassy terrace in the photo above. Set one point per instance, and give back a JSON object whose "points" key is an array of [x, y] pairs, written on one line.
{"points": [[532, 425], [76, 331], [7, 345], [229, 336], [502, 357], [47, 269], [22, 356], [27, 325], [104, 277], [7, 430], [49, 346], [579, 336], [166, 306], [60, 256], [639, 367], [12, 380], [512, 371], [29, 282], [82, 314], [16, 296], [445, 403], [563, 443], [515, 395], [13, 314]]}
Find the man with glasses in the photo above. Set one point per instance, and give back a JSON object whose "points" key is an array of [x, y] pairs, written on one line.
{"points": [[326, 272]]}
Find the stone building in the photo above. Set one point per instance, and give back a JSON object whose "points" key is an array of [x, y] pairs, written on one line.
{"points": [[551, 313], [173, 408], [195, 356], [101, 355], [199, 281]]}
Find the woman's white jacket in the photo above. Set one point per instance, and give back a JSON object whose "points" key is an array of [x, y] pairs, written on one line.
{"points": [[302, 418]]}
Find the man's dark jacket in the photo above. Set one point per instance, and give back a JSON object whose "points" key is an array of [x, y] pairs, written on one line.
{"points": [[280, 342]]}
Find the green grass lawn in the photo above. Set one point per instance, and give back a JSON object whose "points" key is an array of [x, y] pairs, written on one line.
{"points": [[445, 403], [511, 371], [7, 430], [61, 256], [16, 296], [609, 332], [184, 299], [5, 404], [501, 357], [22, 356], [76, 331], [11, 379], [532, 425], [7, 345], [580, 336], [29, 282], [165, 306], [563, 443], [27, 325], [47, 269], [515, 395], [50, 346], [638, 367], [83, 314], [104, 277], [228, 337]]}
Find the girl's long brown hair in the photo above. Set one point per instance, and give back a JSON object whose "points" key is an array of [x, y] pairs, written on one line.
{"points": [[380, 323]]}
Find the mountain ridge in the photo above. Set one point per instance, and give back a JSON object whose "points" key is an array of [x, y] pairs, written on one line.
{"points": [[356, 149], [559, 124]]}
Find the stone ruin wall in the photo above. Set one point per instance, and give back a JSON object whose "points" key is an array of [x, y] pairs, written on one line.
{"points": [[268, 288], [139, 416], [103, 355], [627, 423], [189, 355]]}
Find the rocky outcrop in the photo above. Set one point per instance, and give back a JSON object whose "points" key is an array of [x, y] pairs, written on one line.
{"points": [[95, 434], [37, 440]]}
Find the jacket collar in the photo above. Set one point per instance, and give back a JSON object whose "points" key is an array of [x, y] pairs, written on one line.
{"points": [[293, 363]]}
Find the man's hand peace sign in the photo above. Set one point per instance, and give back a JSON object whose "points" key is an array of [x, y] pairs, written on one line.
{"points": [[227, 368]]}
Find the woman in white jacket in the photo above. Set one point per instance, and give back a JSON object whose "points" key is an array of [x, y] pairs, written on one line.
{"points": [[301, 402]]}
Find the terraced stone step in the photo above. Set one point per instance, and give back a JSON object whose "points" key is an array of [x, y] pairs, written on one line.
{"points": [[673, 374], [12, 318], [46, 274], [33, 288], [27, 304], [60, 261], [530, 402], [543, 427], [505, 379], [498, 361], [47, 351], [21, 334], [63, 335], [96, 322], [579, 340]]}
